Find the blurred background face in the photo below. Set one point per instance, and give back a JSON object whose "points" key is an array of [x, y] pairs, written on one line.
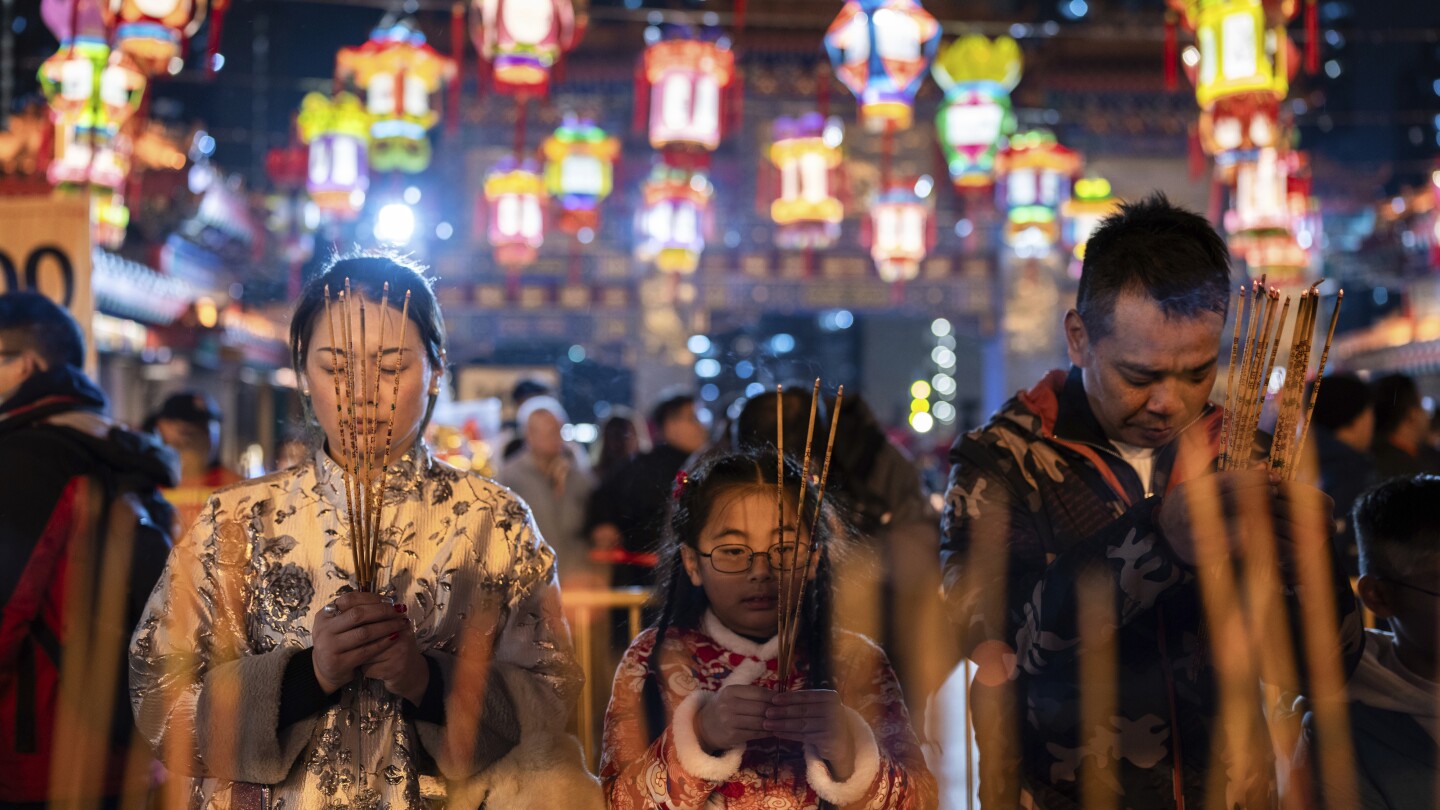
{"points": [[411, 368], [1151, 375], [542, 434], [684, 431], [188, 437]]}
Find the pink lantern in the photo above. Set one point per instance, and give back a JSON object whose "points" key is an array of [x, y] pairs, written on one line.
{"points": [[524, 40], [688, 78], [674, 218], [900, 233], [515, 195]]}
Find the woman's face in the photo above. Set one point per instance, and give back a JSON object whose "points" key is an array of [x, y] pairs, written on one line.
{"points": [[411, 366]]}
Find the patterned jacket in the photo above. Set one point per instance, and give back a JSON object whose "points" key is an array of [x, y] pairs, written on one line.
{"points": [[1039, 501], [675, 773]]}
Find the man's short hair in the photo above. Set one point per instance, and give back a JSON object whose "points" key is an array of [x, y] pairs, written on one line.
{"points": [[669, 408], [1397, 526], [1150, 247], [1396, 395], [1342, 399], [29, 320]]}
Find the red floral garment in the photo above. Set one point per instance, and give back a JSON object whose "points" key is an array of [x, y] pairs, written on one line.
{"points": [[674, 772]]}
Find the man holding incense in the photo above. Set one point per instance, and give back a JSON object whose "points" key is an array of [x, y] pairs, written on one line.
{"points": [[1080, 524]]}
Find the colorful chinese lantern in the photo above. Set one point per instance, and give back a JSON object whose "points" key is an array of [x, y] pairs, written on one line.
{"points": [[1035, 172], [1092, 202], [515, 195], [688, 76], [900, 234], [524, 39], [806, 150], [674, 218], [399, 75], [154, 32], [579, 170], [881, 50], [1271, 215], [976, 116], [338, 133]]}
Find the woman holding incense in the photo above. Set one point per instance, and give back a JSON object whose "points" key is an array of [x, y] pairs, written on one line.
{"points": [[742, 694], [322, 636]]}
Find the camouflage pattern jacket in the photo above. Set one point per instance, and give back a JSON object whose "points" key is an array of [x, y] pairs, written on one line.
{"points": [[1039, 500]]}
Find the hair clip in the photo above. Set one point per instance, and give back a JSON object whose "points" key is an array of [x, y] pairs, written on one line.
{"points": [[682, 478]]}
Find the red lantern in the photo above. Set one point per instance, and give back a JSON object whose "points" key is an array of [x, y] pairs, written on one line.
{"points": [[524, 40]]}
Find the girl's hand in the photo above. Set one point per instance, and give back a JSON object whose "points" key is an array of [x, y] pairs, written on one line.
{"points": [[355, 631], [815, 717], [400, 665], [733, 718]]}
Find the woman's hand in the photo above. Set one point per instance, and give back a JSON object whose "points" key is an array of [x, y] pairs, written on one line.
{"points": [[734, 717], [400, 665], [815, 717], [356, 631]]}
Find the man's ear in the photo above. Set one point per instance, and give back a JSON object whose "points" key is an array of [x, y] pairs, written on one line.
{"points": [[691, 561], [1375, 595], [1077, 340]]}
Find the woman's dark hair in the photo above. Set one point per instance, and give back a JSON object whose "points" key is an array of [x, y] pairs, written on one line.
{"points": [[681, 604], [616, 436], [755, 427], [368, 272], [1396, 396]]}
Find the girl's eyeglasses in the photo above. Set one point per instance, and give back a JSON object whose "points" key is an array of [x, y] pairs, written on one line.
{"points": [[737, 559]]}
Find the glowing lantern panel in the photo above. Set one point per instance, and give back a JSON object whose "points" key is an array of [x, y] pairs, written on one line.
{"points": [[1036, 173], [976, 117], [524, 39], [881, 50], [515, 194], [1092, 202], [806, 151], [579, 170], [674, 218], [338, 133], [153, 32], [399, 75], [900, 234], [1272, 215], [688, 78]]}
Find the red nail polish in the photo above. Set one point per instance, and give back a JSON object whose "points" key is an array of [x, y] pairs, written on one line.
{"points": [[394, 636], [401, 608]]}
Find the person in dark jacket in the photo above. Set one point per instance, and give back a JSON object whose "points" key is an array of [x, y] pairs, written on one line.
{"points": [[1100, 481], [627, 511], [1402, 427], [1344, 425], [82, 541]]}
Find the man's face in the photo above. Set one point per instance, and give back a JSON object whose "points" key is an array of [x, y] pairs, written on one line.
{"points": [[1152, 374], [684, 431], [16, 366], [185, 436], [542, 434]]}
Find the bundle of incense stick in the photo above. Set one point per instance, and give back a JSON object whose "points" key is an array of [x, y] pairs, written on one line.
{"points": [[359, 420], [795, 577], [1253, 351]]}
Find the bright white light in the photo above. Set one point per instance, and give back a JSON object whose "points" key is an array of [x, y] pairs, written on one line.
{"points": [[1190, 56], [411, 196], [922, 422], [843, 319], [444, 231], [964, 227], [576, 354], [1428, 403], [357, 199], [1332, 69], [1277, 381], [707, 368], [586, 433], [944, 411], [834, 133], [585, 236], [567, 433], [218, 63], [940, 327], [395, 224], [754, 390], [943, 357], [175, 66], [698, 344], [782, 343], [924, 186], [943, 384], [709, 392], [1077, 9]]}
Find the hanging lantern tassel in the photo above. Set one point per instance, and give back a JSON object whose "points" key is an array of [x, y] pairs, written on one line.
{"points": [[1197, 154], [522, 107], [734, 102], [574, 269], [1171, 57], [642, 99], [457, 52], [217, 28], [1312, 36], [822, 89]]}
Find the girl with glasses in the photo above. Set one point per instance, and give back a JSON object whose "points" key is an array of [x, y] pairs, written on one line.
{"points": [[695, 716]]}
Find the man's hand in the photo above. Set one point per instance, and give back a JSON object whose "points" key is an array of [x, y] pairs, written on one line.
{"points": [[734, 717], [1197, 513], [815, 717]]}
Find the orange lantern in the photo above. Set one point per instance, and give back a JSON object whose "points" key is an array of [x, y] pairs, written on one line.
{"points": [[900, 233]]}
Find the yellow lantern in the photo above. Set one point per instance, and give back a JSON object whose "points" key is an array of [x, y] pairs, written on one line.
{"points": [[1036, 172], [399, 74], [977, 115], [515, 194], [1091, 203], [807, 152], [338, 134], [579, 171]]}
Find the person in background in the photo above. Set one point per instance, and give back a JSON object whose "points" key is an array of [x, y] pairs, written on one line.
{"points": [[555, 480], [1393, 692], [620, 441], [1401, 429], [1344, 428], [628, 510], [189, 423], [523, 391], [78, 493]]}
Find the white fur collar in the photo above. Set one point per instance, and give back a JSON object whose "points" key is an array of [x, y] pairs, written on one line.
{"points": [[711, 625]]}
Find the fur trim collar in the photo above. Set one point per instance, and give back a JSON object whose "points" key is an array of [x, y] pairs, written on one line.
{"points": [[867, 766], [711, 626]]}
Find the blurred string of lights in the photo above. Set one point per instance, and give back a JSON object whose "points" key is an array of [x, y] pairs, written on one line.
{"points": [[932, 400]]}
